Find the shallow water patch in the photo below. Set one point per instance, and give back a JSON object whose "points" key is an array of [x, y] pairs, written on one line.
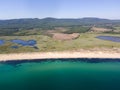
{"points": [[24, 43], [109, 38], [2, 42]]}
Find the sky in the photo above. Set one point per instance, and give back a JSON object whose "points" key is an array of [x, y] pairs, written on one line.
{"points": [[14, 9]]}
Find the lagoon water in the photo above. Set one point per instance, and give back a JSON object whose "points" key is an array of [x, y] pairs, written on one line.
{"points": [[69, 74], [30, 43], [2, 42], [109, 38], [24, 43]]}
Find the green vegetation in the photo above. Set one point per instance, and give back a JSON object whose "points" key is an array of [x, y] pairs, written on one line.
{"points": [[42, 31], [45, 43], [77, 29], [11, 27]]}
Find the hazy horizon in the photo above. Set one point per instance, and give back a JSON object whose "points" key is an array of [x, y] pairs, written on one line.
{"points": [[17, 9], [60, 18]]}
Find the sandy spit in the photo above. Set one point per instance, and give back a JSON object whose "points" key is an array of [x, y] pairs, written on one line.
{"points": [[53, 55]]}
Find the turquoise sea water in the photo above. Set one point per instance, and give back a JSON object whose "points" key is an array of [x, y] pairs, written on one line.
{"points": [[60, 75]]}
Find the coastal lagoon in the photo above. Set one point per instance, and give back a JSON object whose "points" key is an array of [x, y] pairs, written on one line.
{"points": [[24, 43], [18, 43], [21, 42], [109, 38], [60, 74], [2, 42]]}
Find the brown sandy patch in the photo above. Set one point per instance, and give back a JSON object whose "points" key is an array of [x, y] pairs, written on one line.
{"points": [[96, 29], [62, 36]]}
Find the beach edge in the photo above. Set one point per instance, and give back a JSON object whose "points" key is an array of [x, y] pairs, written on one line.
{"points": [[60, 55]]}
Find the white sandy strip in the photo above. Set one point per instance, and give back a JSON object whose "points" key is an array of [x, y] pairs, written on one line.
{"points": [[47, 55]]}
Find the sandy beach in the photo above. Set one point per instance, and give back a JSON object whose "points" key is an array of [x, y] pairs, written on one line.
{"points": [[64, 54]]}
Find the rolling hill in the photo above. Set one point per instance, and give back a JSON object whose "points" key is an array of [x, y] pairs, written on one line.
{"points": [[9, 27]]}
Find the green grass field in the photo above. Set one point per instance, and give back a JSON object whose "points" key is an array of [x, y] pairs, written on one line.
{"points": [[45, 43]]}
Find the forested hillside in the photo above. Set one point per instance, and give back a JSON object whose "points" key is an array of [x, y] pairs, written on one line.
{"points": [[9, 27]]}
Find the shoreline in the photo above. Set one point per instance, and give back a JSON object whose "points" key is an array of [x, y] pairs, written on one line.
{"points": [[59, 55]]}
